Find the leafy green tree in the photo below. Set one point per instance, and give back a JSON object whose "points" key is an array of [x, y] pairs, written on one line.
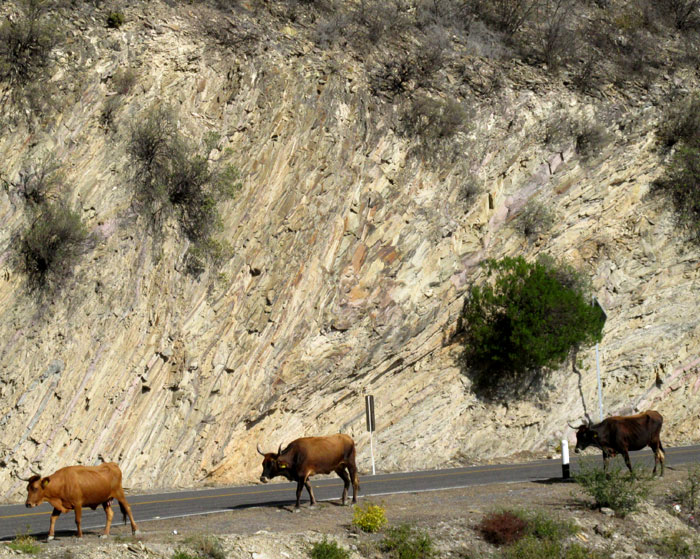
{"points": [[528, 317]]}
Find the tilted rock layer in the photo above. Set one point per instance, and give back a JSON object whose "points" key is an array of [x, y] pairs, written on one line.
{"points": [[352, 255]]}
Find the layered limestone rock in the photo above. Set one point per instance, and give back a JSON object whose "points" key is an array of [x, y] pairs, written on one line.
{"points": [[352, 258]]}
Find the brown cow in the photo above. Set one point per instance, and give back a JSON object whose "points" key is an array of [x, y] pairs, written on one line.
{"points": [[621, 434], [74, 487], [313, 455]]}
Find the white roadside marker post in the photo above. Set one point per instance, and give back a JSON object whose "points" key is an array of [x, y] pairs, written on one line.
{"points": [[369, 413], [565, 472]]}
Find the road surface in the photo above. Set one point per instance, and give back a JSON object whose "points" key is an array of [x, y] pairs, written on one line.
{"points": [[16, 519]]}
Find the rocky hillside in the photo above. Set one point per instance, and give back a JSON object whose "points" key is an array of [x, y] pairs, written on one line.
{"points": [[353, 242]]}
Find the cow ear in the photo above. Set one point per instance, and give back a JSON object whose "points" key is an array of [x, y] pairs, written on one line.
{"points": [[45, 482]]}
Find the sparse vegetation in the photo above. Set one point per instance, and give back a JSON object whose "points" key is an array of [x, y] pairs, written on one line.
{"points": [[171, 177], [25, 544], [124, 80], [682, 184], [617, 490], [206, 546], [26, 41], [39, 180], [328, 549], [370, 518], [680, 123], [688, 494], [525, 318], [535, 219], [676, 545], [50, 246], [405, 542]]}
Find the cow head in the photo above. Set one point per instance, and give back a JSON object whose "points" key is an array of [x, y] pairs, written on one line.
{"points": [[35, 490], [272, 465], [585, 437]]}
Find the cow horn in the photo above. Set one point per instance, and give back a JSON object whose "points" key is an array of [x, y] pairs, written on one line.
{"points": [[279, 450], [23, 478], [259, 451], [569, 424]]}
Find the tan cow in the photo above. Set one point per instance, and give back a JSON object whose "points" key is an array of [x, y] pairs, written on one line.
{"points": [[75, 487]]}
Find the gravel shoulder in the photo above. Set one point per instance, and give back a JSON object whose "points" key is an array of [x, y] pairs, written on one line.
{"points": [[448, 516]]}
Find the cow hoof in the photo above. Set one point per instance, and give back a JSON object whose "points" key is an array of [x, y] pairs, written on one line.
{"points": [[104, 536], [296, 509], [49, 538], [136, 533], [312, 507]]}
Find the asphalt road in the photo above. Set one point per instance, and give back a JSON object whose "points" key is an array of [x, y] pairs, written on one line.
{"points": [[16, 519]]}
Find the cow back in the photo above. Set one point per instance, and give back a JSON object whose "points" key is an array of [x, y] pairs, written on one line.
{"points": [[84, 485], [321, 455], [632, 432]]}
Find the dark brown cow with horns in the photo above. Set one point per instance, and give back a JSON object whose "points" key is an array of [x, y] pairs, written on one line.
{"points": [[619, 434], [75, 487], [308, 456]]}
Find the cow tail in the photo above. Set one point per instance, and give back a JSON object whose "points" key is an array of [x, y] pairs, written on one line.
{"points": [[121, 508]]}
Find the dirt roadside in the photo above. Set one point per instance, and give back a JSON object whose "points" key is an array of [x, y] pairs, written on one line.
{"points": [[448, 516]]}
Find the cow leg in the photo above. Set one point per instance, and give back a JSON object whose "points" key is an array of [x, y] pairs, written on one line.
{"points": [[300, 488], [78, 518], [310, 490], [54, 515], [352, 470], [606, 461], [626, 456], [126, 509], [658, 456], [110, 515], [346, 480]]}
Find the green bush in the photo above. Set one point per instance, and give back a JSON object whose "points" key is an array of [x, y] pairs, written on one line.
{"points": [[50, 246], [25, 544], [617, 490], [115, 20], [525, 318], [404, 542], [184, 554], [370, 518], [326, 549]]}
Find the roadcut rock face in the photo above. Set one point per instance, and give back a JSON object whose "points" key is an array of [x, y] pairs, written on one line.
{"points": [[352, 255]]}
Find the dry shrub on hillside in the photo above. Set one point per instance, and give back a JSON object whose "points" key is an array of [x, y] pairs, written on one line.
{"points": [[501, 528]]}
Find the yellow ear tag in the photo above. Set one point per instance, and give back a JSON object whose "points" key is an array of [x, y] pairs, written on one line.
{"points": [[282, 466]]}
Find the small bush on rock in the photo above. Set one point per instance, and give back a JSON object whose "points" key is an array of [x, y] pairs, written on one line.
{"points": [[25, 43], [370, 518], [504, 527], [618, 490], [50, 246], [326, 549], [115, 20], [404, 542]]}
